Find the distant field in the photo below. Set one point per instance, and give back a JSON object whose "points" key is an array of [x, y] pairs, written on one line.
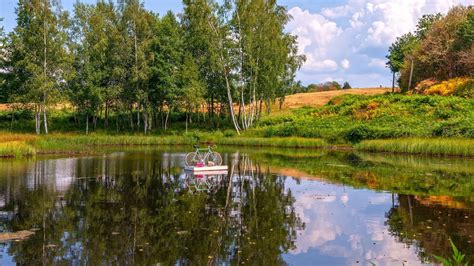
{"points": [[316, 99]]}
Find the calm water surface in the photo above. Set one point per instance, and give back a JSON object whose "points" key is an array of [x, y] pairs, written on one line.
{"points": [[296, 207]]}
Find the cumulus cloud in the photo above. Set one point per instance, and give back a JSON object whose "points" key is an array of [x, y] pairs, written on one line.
{"points": [[377, 62], [345, 63], [356, 34], [315, 35], [336, 12]]}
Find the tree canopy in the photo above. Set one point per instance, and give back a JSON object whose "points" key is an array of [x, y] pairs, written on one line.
{"points": [[115, 61], [440, 48]]}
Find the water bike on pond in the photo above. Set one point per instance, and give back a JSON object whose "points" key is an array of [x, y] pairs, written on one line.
{"points": [[204, 159]]}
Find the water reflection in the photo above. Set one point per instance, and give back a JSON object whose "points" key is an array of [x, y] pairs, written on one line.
{"points": [[118, 209], [140, 207]]}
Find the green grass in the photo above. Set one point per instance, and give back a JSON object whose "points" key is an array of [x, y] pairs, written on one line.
{"points": [[353, 118], [431, 146], [16, 149], [290, 142], [83, 142]]}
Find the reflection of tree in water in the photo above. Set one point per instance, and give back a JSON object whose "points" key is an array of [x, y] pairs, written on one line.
{"points": [[142, 213], [429, 222]]}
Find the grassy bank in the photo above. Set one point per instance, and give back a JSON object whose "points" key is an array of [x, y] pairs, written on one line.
{"points": [[353, 118], [19, 145], [289, 142], [64, 141], [432, 146], [16, 149]]}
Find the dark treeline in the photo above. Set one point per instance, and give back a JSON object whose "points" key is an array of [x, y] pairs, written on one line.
{"points": [[326, 86], [123, 67]]}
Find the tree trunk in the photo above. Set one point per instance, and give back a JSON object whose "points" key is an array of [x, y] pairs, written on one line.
{"points": [[87, 124], [45, 65], [11, 122], [186, 122], [138, 118], [167, 116], [94, 121], [106, 120], [393, 81], [229, 93], [161, 115], [212, 105], [117, 122], [145, 121], [37, 119], [411, 75], [130, 117], [45, 117]]}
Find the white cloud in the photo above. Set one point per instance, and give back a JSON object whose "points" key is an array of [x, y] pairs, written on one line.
{"points": [[357, 34], [336, 12], [345, 63], [377, 62], [315, 35]]}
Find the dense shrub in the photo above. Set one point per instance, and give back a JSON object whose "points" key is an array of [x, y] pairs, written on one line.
{"points": [[466, 90], [456, 86]]}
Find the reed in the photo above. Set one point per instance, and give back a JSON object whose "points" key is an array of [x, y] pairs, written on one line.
{"points": [[7, 137], [16, 149], [430, 146], [289, 142]]}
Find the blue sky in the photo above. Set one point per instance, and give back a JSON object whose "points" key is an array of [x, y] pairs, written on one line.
{"points": [[343, 40]]}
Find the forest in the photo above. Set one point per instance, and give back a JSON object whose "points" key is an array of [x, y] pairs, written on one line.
{"points": [[121, 67]]}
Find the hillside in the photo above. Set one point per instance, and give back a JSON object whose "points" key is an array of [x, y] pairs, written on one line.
{"points": [[352, 118], [316, 99]]}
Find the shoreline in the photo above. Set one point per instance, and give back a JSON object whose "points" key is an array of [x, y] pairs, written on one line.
{"points": [[27, 145]]}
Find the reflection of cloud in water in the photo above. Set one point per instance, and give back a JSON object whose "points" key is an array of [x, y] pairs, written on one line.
{"points": [[352, 229], [344, 198], [379, 198], [58, 174], [318, 230]]}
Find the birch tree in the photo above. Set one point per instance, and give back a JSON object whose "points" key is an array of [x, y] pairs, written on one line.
{"points": [[39, 54], [167, 53], [138, 24]]}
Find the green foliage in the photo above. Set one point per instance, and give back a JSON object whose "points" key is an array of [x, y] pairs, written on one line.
{"points": [[441, 48], [291, 142], [465, 31], [397, 52], [327, 86], [425, 23], [466, 90], [346, 86], [39, 67], [123, 61], [433, 146], [16, 149], [457, 259], [353, 118]]}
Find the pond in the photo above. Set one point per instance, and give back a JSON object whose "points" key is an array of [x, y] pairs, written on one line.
{"points": [[273, 206]]}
